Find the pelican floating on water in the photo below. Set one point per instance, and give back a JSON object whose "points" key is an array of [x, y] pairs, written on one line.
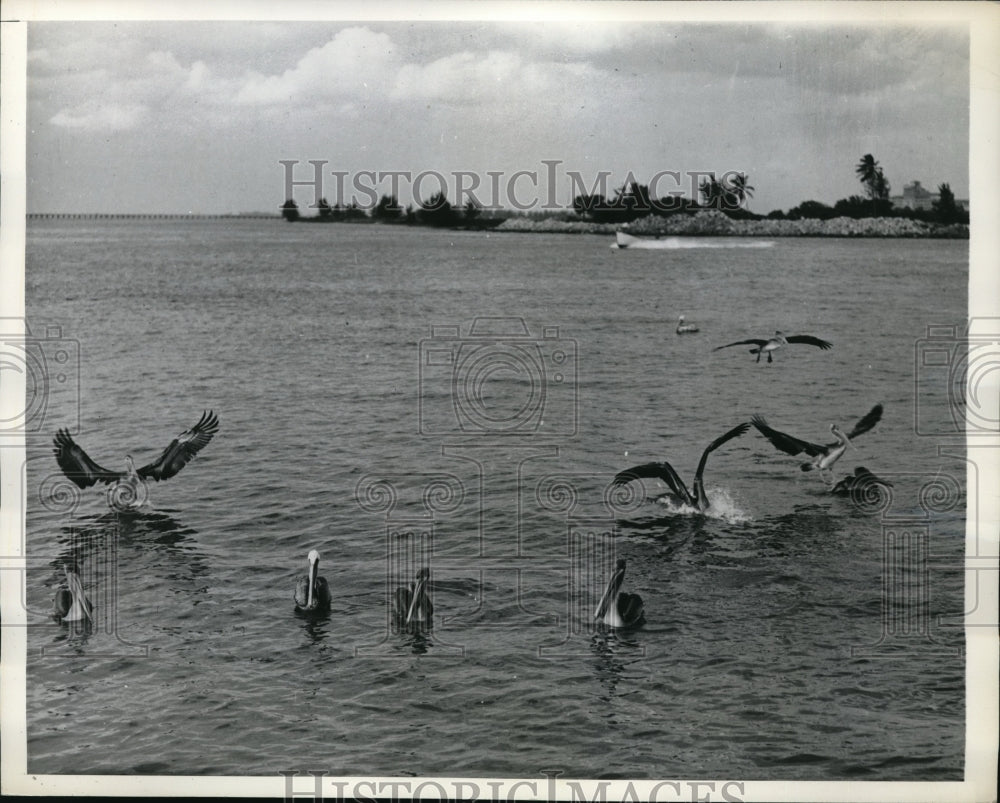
{"points": [[769, 345], [685, 328], [71, 603], [858, 482], [664, 471], [617, 609], [128, 488], [312, 593], [413, 606], [823, 456]]}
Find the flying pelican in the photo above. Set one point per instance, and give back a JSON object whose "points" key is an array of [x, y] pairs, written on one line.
{"points": [[664, 471], [685, 328], [615, 608], [71, 603], [776, 342], [861, 479], [413, 606], [128, 488], [312, 593], [823, 457]]}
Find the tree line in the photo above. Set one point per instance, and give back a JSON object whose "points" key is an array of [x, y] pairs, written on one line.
{"points": [[437, 211], [633, 201]]}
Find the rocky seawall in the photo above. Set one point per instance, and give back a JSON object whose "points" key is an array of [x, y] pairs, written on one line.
{"points": [[715, 223]]}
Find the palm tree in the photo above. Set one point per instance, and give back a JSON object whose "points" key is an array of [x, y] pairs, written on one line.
{"points": [[867, 170], [737, 190], [871, 175]]}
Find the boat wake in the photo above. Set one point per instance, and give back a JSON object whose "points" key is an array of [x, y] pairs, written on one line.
{"points": [[624, 240]]}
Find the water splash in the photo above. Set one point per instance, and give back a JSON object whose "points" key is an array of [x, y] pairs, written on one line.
{"points": [[721, 505]]}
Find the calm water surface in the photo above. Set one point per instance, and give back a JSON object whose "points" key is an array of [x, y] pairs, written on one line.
{"points": [[772, 647]]}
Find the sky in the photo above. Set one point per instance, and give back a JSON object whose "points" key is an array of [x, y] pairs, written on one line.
{"points": [[197, 117]]}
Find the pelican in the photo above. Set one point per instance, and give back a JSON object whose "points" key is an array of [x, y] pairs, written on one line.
{"points": [[860, 480], [664, 471], [685, 328], [776, 342], [312, 593], [615, 608], [823, 457], [128, 488], [413, 606], [71, 603]]}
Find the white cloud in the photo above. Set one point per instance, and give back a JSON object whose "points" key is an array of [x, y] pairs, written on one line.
{"points": [[355, 61], [466, 77]]}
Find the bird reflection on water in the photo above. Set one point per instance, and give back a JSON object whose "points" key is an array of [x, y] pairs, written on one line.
{"points": [[614, 651]]}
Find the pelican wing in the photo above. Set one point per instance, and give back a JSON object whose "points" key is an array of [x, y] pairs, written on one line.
{"points": [[870, 420], [810, 340], [77, 464], [786, 443], [735, 432], [630, 608], [661, 471], [182, 449], [751, 342], [302, 592]]}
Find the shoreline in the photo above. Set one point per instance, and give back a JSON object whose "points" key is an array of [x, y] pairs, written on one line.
{"points": [[712, 223], [708, 223]]}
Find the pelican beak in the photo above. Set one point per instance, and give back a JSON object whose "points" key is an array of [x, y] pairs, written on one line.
{"points": [[80, 608], [611, 592], [418, 591], [313, 571]]}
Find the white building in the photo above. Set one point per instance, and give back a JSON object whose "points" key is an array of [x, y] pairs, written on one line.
{"points": [[916, 196]]}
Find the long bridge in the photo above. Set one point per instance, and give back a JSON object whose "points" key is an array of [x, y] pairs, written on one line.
{"points": [[150, 216]]}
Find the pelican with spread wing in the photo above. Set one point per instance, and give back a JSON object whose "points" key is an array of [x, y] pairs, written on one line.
{"points": [[769, 345], [128, 489], [823, 456], [665, 472]]}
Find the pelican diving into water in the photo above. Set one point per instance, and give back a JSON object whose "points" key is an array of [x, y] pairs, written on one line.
{"points": [[858, 482], [617, 609], [776, 342], [685, 328], [312, 593], [128, 488], [413, 606], [665, 472], [71, 603], [823, 457]]}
